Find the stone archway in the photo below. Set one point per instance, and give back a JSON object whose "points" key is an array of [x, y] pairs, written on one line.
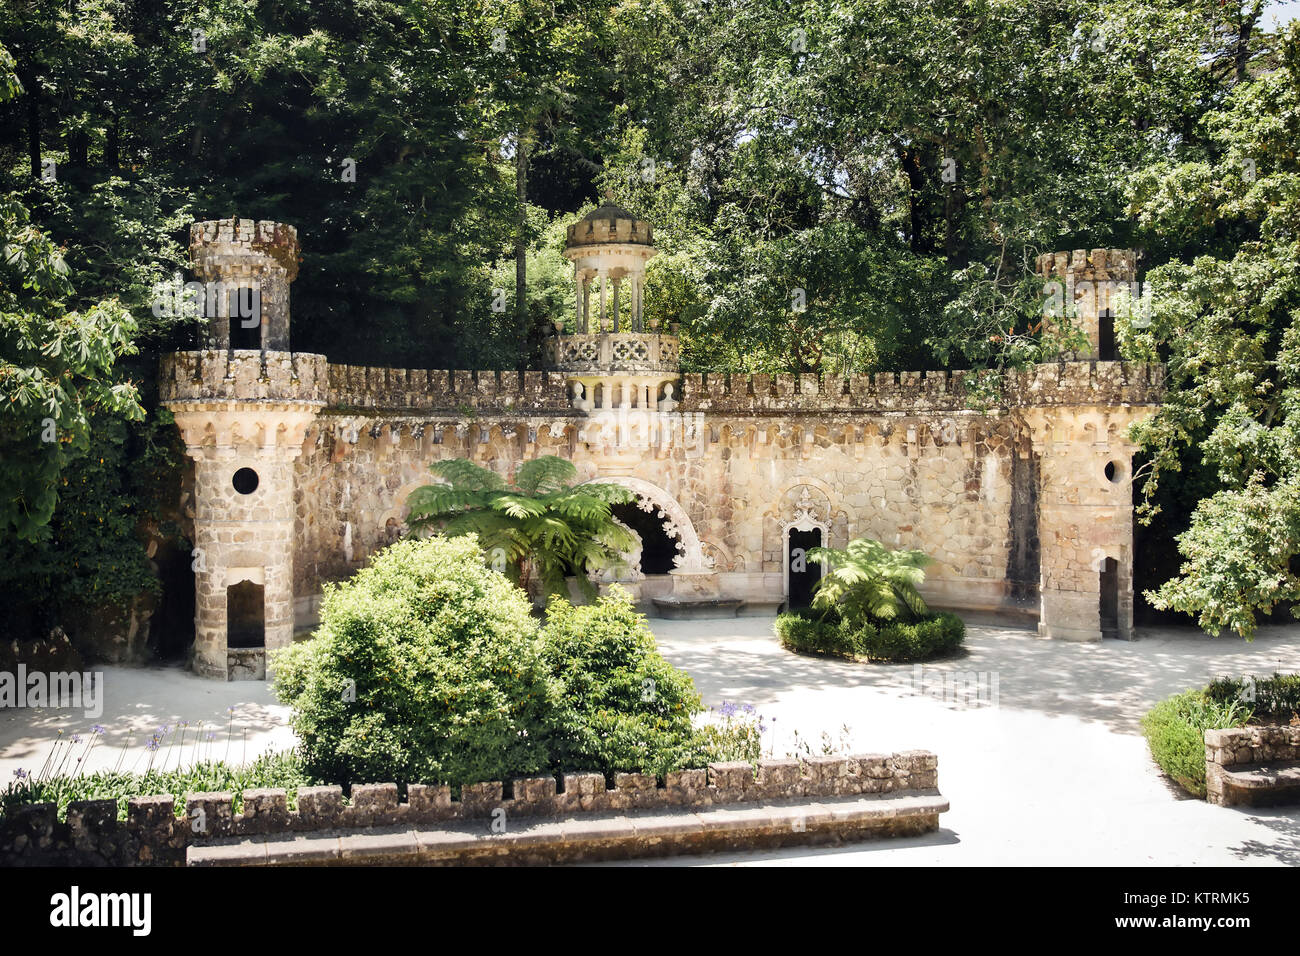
{"points": [[677, 523]]}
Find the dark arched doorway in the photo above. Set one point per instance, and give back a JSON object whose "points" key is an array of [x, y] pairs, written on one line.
{"points": [[245, 615], [658, 547], [1109, 588], [802, 574]]}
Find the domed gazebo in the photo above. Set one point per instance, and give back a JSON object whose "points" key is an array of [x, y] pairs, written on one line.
{"points": [[611, 359]]}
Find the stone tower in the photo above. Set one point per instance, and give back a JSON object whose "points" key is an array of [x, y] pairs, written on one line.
{"points": [[1085, 497], [243, 415], [1085, 286]]}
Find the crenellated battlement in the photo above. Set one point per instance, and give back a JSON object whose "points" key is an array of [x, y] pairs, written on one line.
{"points": [[1119, 265], [244, 376], [222, 247], [1058, 383], [217, 375], [356, 386]]}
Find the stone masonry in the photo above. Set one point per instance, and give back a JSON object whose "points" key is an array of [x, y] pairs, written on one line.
{"points": [[1024, 506]]}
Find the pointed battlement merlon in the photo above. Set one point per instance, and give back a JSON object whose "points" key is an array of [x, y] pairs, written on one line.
{"points": [[1068, 383], [240, 257], [1116, 265], [217, 375]]}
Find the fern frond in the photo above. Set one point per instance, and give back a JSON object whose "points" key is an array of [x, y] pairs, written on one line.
{"points": [[545, 474], [466, 475]]}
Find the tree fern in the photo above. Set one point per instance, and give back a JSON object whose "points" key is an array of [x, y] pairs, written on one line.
{"points": [[543, 528], [868, 581]]}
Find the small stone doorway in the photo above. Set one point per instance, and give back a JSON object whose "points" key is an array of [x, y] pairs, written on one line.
{"points": [[245, 615], [1108, 579], [802, 574]]}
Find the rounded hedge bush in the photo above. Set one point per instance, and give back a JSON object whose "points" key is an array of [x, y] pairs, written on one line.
{"points": [[427, 666], [625, 707], [893, 641]]}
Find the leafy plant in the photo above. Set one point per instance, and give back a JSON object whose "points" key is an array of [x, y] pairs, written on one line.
{"points": [[1175, 731], [869, 582], [1277, 697], [894, 641], [427, 667], [283, 770], [537, 530], [626, 708]]}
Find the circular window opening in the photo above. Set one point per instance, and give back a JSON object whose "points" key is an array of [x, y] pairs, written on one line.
{"points": [[1114, 471], [245, 481]]}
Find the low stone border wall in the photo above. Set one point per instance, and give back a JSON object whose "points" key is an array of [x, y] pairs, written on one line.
{"points": [[152, 834], [588, 837], [1252, 765]]}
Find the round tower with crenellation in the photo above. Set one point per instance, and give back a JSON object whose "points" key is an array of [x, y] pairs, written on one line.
{"points": [[243, 413]]}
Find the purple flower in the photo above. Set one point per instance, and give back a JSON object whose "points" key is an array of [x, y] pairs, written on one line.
{"points": [[728, 709], [76, 738], [20, 773], [97, 729]]}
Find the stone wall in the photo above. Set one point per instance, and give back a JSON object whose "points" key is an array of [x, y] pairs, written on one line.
{"points": [[941, 484], [153, 835], [1238, 747], [1012, 501]]}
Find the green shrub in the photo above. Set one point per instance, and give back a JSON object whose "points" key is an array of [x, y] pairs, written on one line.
{"points": [[282, 769], [815, 635], [1175, 731], [1278, 696], [893, 641], [920, 640], [428, 667], [625, 707]]}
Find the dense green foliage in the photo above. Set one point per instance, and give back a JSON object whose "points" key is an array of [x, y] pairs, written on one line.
{"points": [[628, 708], [892, 641], [1275, 698], [1227, 317], [429, 667], [283, 770], [538, 530], [868, 582], [1175, 730], [835, 185]]}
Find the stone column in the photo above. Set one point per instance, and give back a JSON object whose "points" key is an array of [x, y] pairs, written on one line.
{"points": [[618, 283], [580, 324], [603, 278]]}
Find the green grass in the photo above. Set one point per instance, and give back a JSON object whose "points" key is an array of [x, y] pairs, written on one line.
{"points": [[270, 770]]}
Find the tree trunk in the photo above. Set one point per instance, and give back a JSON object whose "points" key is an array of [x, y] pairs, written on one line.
{"points": [[112, 143], [521, 224], [33, 122]]}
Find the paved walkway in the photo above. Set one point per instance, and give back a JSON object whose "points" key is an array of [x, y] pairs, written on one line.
{"points": [[136, 703], [1054, 773]]}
